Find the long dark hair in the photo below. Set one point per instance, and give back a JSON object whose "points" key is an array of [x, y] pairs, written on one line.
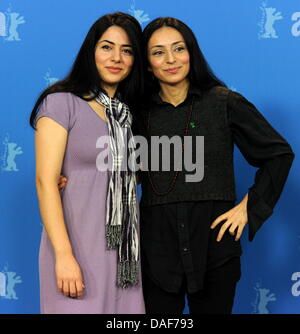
{"points": [[200, 74], [84, 78]]}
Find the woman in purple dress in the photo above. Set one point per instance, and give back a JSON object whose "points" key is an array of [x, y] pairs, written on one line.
{"points": [[89, 252]]}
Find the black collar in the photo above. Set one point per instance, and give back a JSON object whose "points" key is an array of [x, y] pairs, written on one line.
{"points": [[193, 90]]}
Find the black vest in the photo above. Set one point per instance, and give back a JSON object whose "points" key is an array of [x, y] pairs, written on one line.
{"points": [[209, 119]]}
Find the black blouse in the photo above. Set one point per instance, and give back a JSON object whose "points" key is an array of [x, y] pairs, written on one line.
{"points": [[175, 236], [260, 144], [262, 147]]}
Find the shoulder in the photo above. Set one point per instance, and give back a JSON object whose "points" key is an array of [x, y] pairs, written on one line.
{"points": [[218, 92], [237, 100], [61, 107], [230, 97], [63, 102], [61, 98]]}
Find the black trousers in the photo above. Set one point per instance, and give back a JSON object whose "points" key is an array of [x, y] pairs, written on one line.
{"points": [[216, 297]]}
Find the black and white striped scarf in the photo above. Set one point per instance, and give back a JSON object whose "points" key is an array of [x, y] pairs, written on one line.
{"points": [[121, 204]]}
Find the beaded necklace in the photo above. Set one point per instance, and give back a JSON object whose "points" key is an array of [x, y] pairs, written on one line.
{"points": [[173, 182]]}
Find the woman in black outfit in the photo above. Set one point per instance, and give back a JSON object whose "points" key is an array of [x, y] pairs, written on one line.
{"points": [[190, 231]]}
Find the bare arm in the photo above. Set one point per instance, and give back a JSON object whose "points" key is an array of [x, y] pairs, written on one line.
{"points": [[50, 144]]}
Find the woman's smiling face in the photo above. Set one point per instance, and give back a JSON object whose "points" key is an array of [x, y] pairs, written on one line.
{"points": [[113, 56], [168, 56]]}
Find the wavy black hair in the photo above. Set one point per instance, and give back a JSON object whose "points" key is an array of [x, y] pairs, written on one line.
{"points": [[200, 75], [83, 78]]}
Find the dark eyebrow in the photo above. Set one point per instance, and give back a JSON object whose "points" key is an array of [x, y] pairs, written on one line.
{"points": [[105, 40], [161, 46]]}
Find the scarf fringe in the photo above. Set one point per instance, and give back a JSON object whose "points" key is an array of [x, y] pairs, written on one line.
{"points": [[127, 274], [113, 236]]}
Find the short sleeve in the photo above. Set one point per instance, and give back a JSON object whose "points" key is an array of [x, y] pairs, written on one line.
{"points": [[59, 107]]}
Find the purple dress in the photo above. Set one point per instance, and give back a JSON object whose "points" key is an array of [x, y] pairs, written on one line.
{"points": [[84, 208]]}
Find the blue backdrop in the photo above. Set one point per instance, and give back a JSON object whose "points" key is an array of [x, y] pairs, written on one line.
{"points": [[252, 45]]}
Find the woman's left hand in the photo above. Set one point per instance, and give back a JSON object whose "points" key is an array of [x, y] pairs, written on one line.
{"points": [[236, 218]]}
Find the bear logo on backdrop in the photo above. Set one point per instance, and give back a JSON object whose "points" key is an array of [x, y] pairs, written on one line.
{"points": [[269, 17], [138, 13], [49, 79], [11, 150], [8, 280], [9, 24], [263, 297]]}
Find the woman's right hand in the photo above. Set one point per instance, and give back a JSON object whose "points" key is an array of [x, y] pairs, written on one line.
{"points": [[69, 276]]}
